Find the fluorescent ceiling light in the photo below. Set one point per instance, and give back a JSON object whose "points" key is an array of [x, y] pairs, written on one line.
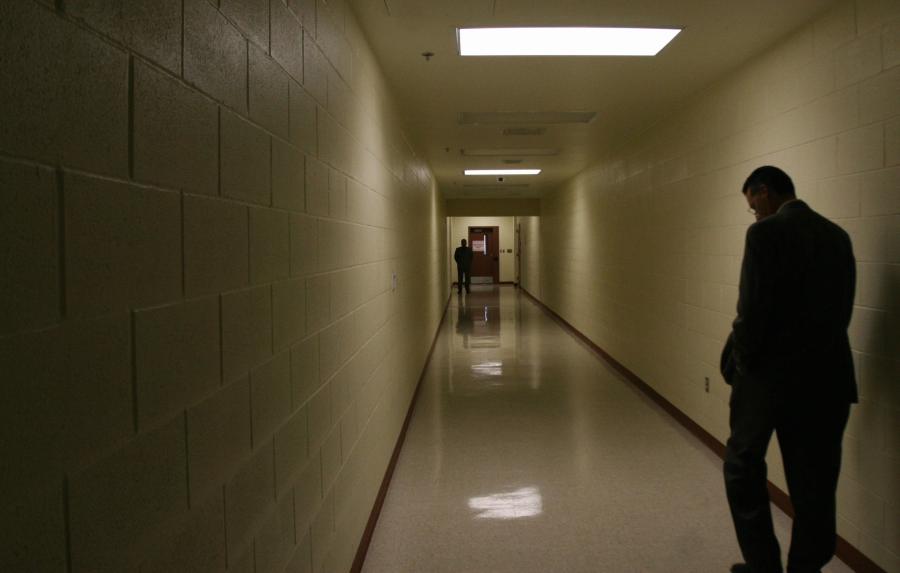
{"points": [[564, 41], [502, 171]]}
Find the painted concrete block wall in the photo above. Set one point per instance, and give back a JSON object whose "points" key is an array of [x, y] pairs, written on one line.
{"points": [[530, 256], [642, 251], [459, 229], [205, 359]]}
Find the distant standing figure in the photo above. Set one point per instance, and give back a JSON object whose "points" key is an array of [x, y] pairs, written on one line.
{"points": [[791, 372], [463, 258]]}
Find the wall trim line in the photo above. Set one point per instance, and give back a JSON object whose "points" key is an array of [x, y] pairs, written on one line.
{"points": [[845, 551], [366, 539]]}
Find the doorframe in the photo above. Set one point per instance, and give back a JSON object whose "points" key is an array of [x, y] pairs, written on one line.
{"points": [[495, 232]]}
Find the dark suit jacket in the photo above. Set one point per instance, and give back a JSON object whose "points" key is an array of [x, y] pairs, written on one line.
{"points": [[463, 258], [798, 280]]}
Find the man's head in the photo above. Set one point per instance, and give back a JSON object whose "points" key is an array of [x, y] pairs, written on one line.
{"points": [[767, 189], [463, 242]]}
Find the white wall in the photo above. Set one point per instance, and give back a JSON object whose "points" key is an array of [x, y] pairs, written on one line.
{"points": [[641, 252], [459, 229]]}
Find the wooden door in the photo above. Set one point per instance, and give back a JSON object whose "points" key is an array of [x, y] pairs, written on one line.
{"points": [[485, 243]]}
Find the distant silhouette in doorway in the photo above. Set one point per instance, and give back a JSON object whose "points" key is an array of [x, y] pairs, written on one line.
{"points": [[463, 257]]}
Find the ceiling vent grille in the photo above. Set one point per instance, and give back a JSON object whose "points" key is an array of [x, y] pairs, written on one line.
{"points": [[524, 131], [525, 117], [510, 152]]}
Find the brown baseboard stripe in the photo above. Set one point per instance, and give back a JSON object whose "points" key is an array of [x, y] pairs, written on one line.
{"points": [[846, 552], [389, 472]]}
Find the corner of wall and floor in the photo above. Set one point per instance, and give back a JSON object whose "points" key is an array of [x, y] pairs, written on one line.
{"points": [[641, 252], [212, 320]]}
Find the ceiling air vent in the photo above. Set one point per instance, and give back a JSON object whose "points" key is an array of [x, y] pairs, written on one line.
{"points": [[525, 117], [524, 131], [510, 151], [507, 186]]}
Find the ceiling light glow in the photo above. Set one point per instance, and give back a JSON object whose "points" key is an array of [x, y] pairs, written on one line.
{"points": [[564, 41], [502, 171]]}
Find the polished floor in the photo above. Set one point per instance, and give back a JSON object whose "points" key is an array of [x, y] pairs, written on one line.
{"points": [[526, 452]]}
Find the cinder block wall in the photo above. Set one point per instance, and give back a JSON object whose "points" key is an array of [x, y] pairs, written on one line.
{"points": [[642, 251], [204, 361], [530, 254]]}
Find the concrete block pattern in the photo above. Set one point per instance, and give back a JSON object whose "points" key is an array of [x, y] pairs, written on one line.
{"points": [[274, 544], [246, 330], [176, 134], [301, 560], [34, 529], [216, 245], [291, 450], [117, 505], [251, 17], [322, 532], [306, 12], [304, 248], [177, 357], [218, 438], [318, 302], [195, 543], [315, 70], [308, 494], [858, 60], [337, 195], [249, 497], [29, 247], [245, 161], [215, 55], [835, 28], [152, 29], [123, 246], [331, 457], [317, 174], [878, 97], [320, 421], [305, 370], [270, 388], [881, 193], [287, 40], [861, 149], [289, 311], [56, 380], [268, 93], [72, 111], [288, 177], [303, 123], [892, 142], [330, 37], [270, 245]]}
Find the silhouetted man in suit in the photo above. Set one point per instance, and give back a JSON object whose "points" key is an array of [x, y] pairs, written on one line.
{"points": [[463, 257], [790, 368]]}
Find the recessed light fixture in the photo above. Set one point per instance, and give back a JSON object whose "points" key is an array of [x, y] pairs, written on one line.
{"points": [[502, 171], [564, 41]]}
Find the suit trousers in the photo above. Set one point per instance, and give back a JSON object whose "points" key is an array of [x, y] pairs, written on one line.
{"points": [[810, 432], [464, 279]]}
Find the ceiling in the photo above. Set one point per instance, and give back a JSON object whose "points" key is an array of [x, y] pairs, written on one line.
{"points": [[628, 94]]}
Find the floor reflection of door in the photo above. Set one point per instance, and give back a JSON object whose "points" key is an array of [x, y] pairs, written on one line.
{"points": [[485, 242]]}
